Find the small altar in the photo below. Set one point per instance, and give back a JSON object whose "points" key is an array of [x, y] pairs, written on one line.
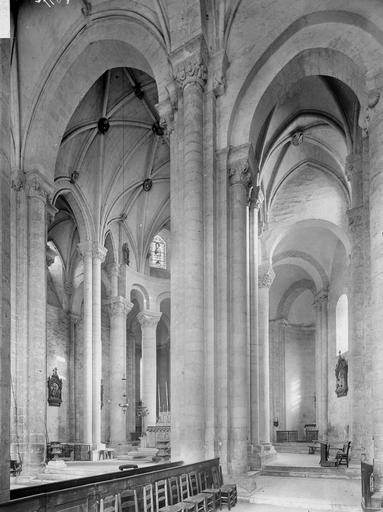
{"points": [[158, 436]]}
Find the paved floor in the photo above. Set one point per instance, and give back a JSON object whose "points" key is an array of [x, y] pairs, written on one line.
{"points": [[308, 494]]}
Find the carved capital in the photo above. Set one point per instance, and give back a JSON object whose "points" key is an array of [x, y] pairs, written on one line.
{"points": [[74, 318], [149, 318], [18, 180], [85, 249], [118, 306], [297, 138], [98, 251], [165, 110], [37, 186], [353, 165], [257, 198], [239, 173], [320, 299], [190, 63], [367, 114], [266, 276], [355, 219], [191, 72], [218, 65]]}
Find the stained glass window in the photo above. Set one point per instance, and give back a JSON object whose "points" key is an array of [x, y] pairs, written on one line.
{"points": [[158, 253]]}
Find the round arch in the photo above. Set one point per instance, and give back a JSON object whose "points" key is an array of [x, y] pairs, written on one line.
{"points": [[272, 238], [303, 50], [110, 41]]}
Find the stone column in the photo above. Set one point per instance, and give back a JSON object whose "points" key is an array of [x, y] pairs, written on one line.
{"points": [[356, 316], [375, 131], [149, 321], [5, 265], [255, 205], [119, 307], [37, 190], [239, 177], [98, 256], [189, 420], [321, 362], [266, 277], [85, 249]]}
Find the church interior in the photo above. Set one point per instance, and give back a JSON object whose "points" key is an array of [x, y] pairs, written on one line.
{"points": [[191, 242]]}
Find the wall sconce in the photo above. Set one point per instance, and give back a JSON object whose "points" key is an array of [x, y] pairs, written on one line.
{"points": [[276, 421]]}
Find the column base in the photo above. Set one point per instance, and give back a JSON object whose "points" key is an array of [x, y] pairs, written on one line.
{"points": [[260, 455]]}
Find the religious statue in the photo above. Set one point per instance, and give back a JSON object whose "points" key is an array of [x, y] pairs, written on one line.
{"points": [[54, 389], [341, 371], [125, 253]]}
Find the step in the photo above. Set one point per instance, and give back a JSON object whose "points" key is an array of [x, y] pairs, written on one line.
{"points": [[312, 472]]}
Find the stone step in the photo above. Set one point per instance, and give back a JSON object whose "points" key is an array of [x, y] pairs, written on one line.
{"points": [[312, 472]]}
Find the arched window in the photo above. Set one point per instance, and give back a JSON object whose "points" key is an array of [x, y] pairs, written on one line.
{"points": [[342, 324], [158, 253]]}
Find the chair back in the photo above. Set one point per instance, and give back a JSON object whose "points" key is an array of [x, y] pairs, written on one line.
{"points": [[127, 500], [174, 490], [193, 483], [220, 476], [161, 493], [348, 448], [109, 504], [202, 477], [147, 492], [184, 487]]}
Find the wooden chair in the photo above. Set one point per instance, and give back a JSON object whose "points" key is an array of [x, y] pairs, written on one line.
{"points": [[161, 493], [127, 500], [204, 487], [109, 504], [147, 492], [174, 490], [228, 491], [195, 492], [343, 456], [190, 505]]}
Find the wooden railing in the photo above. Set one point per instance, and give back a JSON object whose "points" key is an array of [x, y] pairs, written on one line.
{"points": [[84, 494]]}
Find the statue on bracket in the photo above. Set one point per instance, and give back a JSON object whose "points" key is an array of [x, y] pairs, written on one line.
{"points": [[55, 385], [125, 253], [341, 371]]}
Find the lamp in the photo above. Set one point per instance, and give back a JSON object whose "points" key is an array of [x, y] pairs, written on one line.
{"points": [[276, 421]]}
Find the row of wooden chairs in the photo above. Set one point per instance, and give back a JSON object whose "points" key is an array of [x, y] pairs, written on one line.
{"points": [[186, 493]]}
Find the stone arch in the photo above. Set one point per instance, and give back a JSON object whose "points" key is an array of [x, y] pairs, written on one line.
{"points": [[303, 50], [80, 209], [110, 41], [272, 238], [142, 296], [308, 263], [162, 296], [293, 293]]}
